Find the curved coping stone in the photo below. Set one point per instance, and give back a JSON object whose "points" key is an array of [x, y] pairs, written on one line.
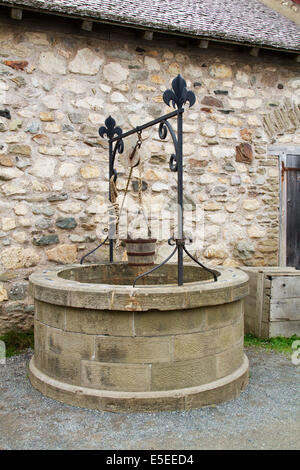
{"points": [[66, 286]]}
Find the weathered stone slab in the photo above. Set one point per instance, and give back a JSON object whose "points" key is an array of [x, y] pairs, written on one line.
{"points": [[125, 377], [197, 345], [222, 315], [49, 314], [182, 374], [99, 322], [65, 342], [133, 350], [230, 360], [156, 323], [64, 366], [226, 390]]}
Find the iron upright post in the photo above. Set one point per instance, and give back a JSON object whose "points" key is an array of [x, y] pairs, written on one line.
{"points": [[180, 197], [111, 227]]}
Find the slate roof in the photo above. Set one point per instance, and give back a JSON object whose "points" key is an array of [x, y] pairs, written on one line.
{"points": [[242, 21]]}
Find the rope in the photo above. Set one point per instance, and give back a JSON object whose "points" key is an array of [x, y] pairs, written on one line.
{"points": [[126, 189], [114, 206], [121, 210], [140, 191], [140, 182]]}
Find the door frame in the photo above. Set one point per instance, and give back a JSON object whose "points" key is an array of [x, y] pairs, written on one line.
{"points": [[282, 151]]}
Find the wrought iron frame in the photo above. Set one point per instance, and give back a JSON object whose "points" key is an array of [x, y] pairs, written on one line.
{"points": [[178, 96]]}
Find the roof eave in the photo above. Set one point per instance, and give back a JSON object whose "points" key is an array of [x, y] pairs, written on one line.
{"points": [[155, 28]]}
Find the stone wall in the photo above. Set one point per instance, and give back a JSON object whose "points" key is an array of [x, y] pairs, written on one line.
{"points": [[58, 89]]}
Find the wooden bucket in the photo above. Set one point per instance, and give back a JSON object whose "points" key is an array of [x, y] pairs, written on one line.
{"points": [[141, 252]]}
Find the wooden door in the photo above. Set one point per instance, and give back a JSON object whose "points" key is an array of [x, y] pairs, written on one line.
{"points": [[292, 175]]}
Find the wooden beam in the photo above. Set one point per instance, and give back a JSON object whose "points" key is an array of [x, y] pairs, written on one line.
{"points": [[203, 44], [16, 13], [148, 35], [254, 51], [87, 25]]}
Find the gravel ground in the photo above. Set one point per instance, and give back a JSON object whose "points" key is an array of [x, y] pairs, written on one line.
{"points": [[265, 416]]}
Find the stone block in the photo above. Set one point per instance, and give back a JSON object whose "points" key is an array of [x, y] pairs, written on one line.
{"points": [[45, 240], [230, 360], [43, 223], [6, 160], [195, 345], [3, 293], [64, 254], [86, 62], [99, 322], [20, 149], [220, 71], [183, 374], [251, 204], [90, 171], [244, 153], [46, 210], [18, 292], [245, 250], [220, 394], [64, 367], [157, 323], [211, 101], [66, 222], [51, 64], [133, 350], [40, 340], [16, 257], [70, 207], [57, 197], [8, 223], [61, 296], [121, 377], [50, 314], [220, 315], [114, 72], [65, 342], [205, 343], [230, 335]]}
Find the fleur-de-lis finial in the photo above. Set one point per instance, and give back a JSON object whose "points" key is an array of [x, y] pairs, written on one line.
{"points": [[179, 95], [110, 130]]}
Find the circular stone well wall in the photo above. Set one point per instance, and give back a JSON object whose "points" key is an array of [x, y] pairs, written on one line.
{"points": [[102, 344]]}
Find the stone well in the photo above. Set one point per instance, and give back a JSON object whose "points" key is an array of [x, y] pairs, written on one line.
{"points": [[102, 344]]}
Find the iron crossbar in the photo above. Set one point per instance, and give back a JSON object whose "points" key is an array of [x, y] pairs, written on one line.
{"points": [[148, 124]]}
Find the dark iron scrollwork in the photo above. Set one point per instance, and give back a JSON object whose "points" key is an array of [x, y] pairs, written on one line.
{"points": [[110, 131], [119, 147], [163, 132], [92, 251], [172, 241], [179, 94]]}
